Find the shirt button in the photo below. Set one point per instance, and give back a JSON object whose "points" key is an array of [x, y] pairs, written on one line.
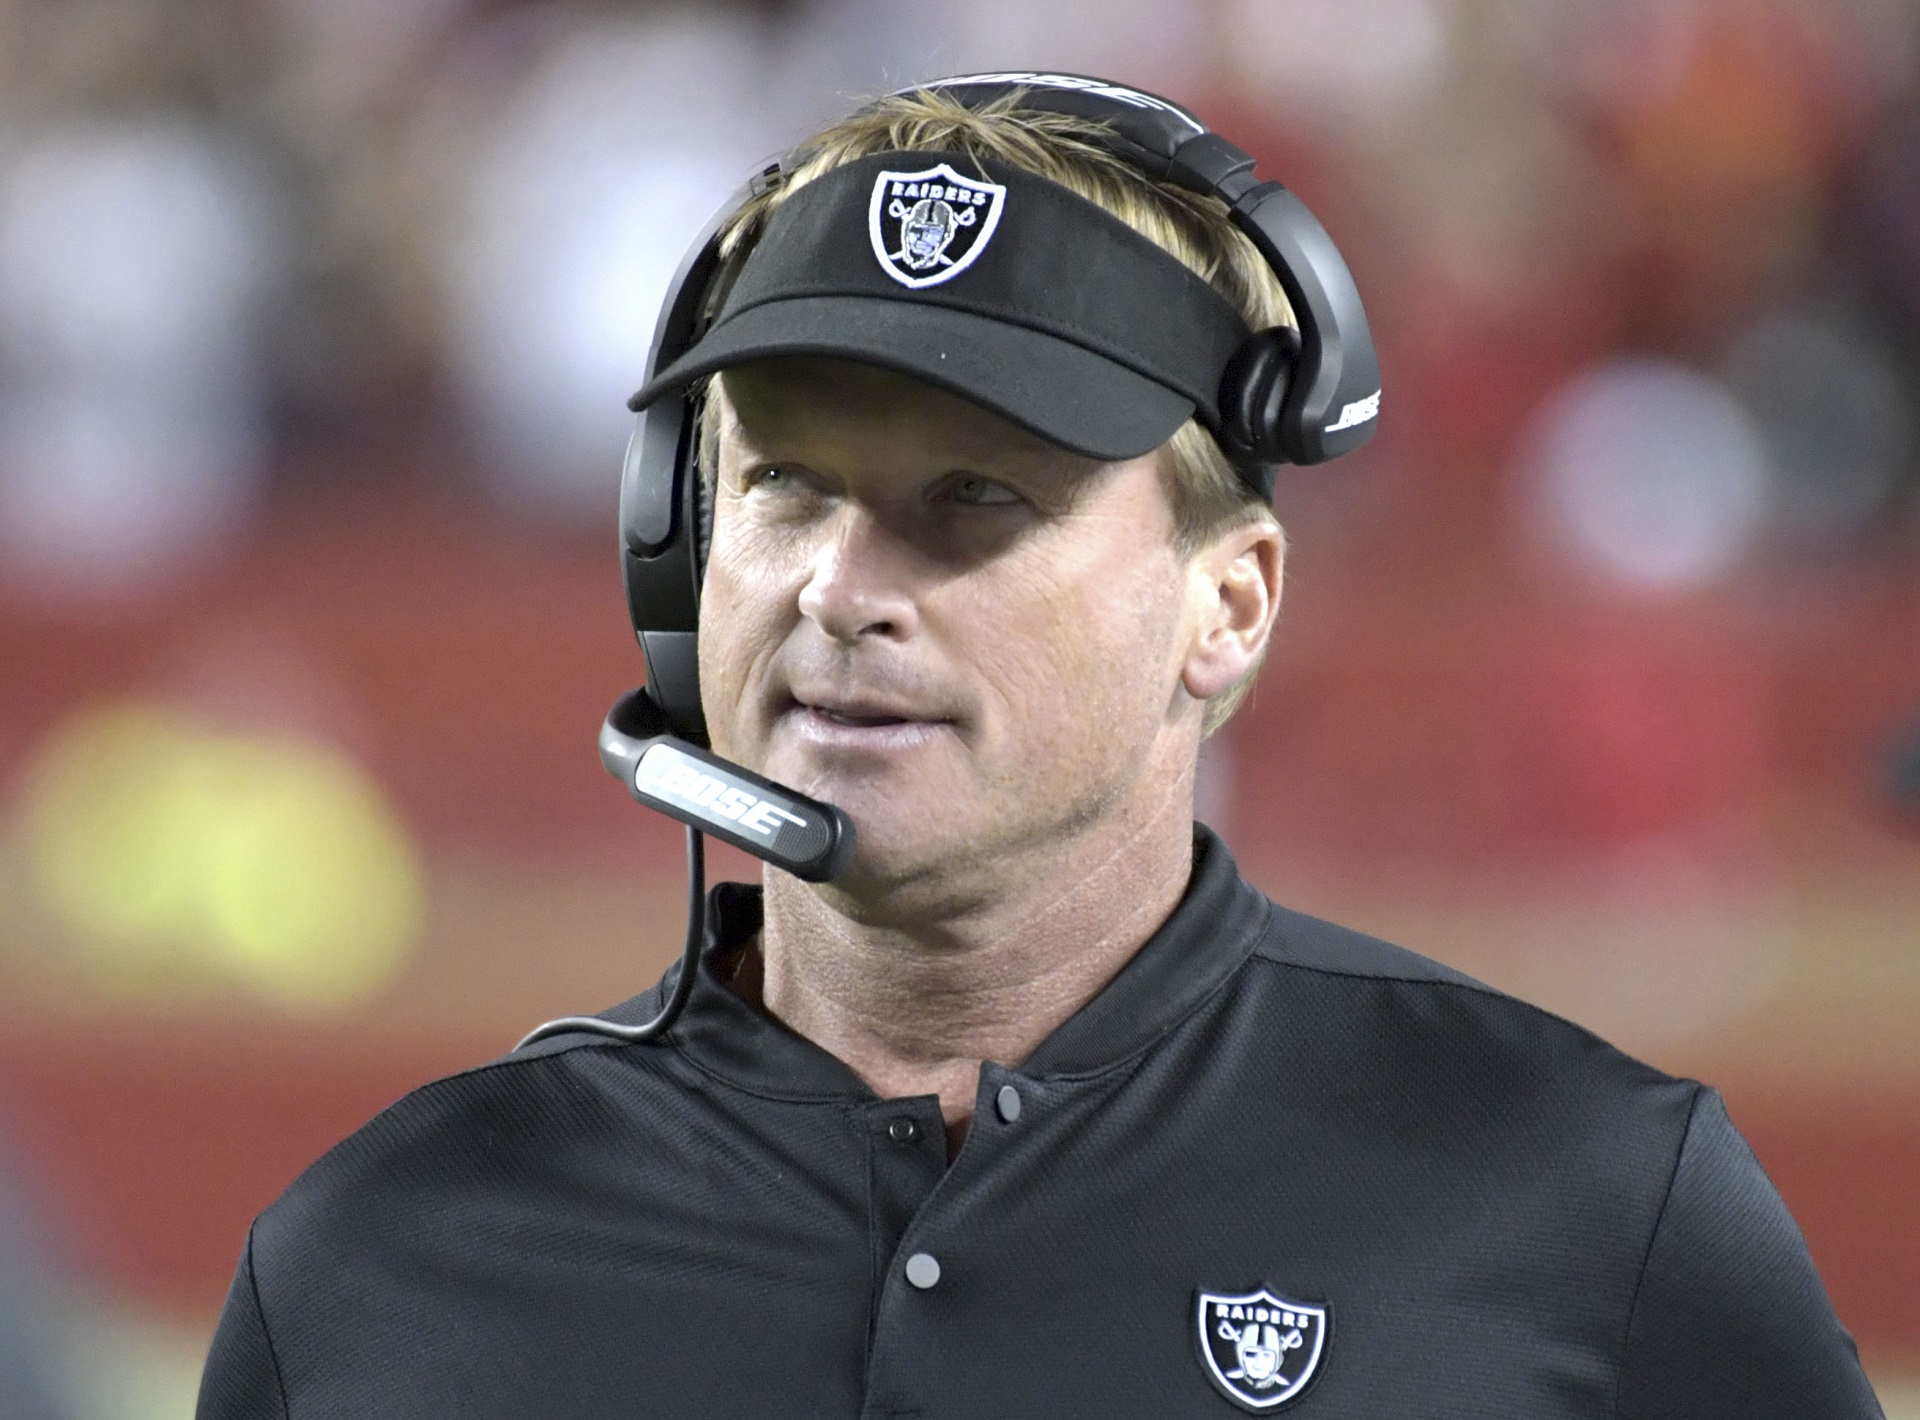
{"points": [[923, 1270], [903, 1131], [1007, 1102]]}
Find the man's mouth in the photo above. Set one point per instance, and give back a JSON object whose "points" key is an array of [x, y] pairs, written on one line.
{"points": [[862, 713], [861, 721]]}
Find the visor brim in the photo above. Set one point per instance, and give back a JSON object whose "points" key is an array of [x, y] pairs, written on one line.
{"points": [[1066, 394]]}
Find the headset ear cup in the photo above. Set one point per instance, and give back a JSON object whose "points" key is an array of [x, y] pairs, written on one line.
{"points": [[1253, 392]]}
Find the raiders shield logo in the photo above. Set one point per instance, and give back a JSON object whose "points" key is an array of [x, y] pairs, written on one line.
{"points": [[1260, 1350], [928, 227]]}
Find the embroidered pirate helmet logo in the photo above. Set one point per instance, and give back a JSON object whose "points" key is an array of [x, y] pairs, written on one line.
{"points": [[1260, 1350], [928, 227]]}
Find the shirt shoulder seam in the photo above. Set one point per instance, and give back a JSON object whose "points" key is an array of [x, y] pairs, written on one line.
{"points": [[1472, 988], [1262, 952], [1646, 1255], [266, 1332], [420, 1097], [1399, 978]]}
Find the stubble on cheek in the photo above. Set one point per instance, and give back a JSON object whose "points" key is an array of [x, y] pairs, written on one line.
{"points": [[1078, 687]]}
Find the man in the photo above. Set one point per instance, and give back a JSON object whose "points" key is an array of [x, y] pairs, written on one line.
{"points": [[1037, 1110]]}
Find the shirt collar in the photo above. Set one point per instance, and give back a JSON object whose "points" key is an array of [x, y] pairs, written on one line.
{"points": [[1206, 939]]}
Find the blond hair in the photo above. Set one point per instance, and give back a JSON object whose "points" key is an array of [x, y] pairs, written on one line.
{"points": [[1208, 495]]}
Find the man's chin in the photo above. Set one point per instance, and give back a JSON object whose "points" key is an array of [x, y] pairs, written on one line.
{"points": [[926, 840], [905, 835], [913, 857], [906, 893]]}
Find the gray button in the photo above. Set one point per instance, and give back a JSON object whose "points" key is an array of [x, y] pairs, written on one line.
{"points": [[923, 1270], [903, 1131], [1008, 1103]]}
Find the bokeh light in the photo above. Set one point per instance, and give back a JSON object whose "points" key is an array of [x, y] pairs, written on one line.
{"points": [[620, 140], [1647, 474], [1342, 56], [133, 257], [177, 853]]}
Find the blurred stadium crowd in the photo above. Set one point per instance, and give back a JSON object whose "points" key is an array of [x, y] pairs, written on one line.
{"points": [[317, 319], [1645, 269]]}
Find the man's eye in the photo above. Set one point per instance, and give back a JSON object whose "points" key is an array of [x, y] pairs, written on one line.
{"points": [[980, 492], [774, 479]]}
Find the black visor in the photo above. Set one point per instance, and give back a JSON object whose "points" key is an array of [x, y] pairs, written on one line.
{"points": [[986, 281]]}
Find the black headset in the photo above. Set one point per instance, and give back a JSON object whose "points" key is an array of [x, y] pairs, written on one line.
{"points": [[1286, 396]]}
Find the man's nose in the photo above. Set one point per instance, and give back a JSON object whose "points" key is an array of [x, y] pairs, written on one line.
{"points": [[862, 580]]}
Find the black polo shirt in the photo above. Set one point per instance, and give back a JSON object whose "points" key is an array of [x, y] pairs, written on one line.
{"points": [[1275, 1167]]}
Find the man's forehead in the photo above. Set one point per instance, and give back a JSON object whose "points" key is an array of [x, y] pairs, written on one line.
{"points": [[770, 406]]}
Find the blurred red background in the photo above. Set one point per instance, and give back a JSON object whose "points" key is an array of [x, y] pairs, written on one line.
{"points": [[315, 324]]}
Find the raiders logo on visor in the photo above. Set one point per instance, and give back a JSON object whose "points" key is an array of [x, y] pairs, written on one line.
{"points": [[928, 227]]}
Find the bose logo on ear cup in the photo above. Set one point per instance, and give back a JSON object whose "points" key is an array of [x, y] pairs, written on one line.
{"points": [[1359, 412], [665, 772]]}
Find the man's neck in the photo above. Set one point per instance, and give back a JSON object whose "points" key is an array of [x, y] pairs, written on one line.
{"points": [[915, 1010]]}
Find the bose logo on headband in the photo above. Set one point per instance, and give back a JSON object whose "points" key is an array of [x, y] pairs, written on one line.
{"points": [[1073, 81], [666, 773], [1359, 412]]}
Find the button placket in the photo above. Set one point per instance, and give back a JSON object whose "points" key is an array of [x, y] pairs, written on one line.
{"points": [[907, 1161], [935, 1280], [906, 1157]]}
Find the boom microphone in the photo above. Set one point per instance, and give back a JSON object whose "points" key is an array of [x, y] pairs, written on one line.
{"points": [[807, 838], [803, 836]]}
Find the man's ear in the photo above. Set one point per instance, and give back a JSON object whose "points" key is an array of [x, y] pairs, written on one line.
{"points": [[1233, 589]]}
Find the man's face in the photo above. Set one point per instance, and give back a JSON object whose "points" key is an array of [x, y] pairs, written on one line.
{"points": [[965, 637]]}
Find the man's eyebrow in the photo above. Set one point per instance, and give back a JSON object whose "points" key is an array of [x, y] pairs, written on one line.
{"points": [[1067, 475], [733, 435]]}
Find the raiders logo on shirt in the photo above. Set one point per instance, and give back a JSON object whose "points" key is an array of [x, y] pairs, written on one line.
{"points": [[1260, 1350], [928, 227]]}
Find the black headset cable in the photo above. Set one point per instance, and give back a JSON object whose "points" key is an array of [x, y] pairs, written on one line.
{"points": [[683, 984]]}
